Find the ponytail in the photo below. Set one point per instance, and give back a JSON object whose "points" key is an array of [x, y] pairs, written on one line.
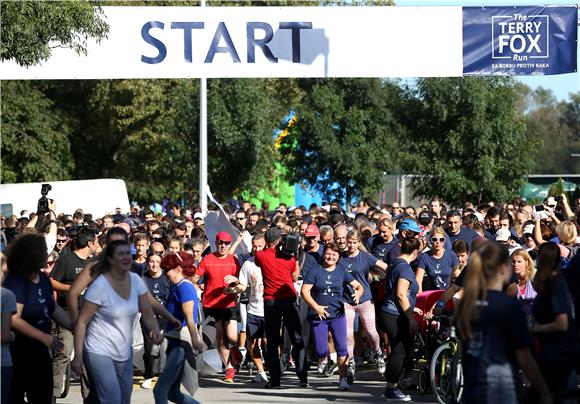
{"points": [[473, 291], [482, 266]]}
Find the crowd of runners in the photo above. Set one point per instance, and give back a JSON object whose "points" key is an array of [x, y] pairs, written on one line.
{"points": [[290, 288]]}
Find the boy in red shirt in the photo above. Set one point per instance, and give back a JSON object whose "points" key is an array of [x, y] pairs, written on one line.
{"points": [[220, 271]]}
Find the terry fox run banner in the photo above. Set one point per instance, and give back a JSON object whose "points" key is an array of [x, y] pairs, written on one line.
{"points": [[190, 42], [519, 40]]}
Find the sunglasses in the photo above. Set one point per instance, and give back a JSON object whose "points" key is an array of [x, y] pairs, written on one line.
{"points": [[435, 239], [222, 242], [61, 241], [49, 263], [240, 218]]}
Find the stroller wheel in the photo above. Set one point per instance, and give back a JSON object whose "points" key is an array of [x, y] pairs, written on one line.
{"points": [[423, 381]]}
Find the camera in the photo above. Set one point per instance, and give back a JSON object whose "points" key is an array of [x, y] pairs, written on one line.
{"points": [[558, 198], [43, 201], [290, 244]]}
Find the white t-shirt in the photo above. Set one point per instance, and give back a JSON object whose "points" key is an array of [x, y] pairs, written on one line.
{"points": [[251, 276], [110, 331]]}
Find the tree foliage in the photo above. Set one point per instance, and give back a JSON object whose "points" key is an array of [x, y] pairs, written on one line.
{"points": [[558, 126], [30, 29], [345, 138], [468, 141], [35, 144]]}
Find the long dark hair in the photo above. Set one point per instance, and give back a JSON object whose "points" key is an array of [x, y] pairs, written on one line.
{"points": [[27, 256], [548, 264], [483, 264]]}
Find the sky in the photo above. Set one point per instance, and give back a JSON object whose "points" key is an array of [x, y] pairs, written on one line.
{"points": [[561, 84]]}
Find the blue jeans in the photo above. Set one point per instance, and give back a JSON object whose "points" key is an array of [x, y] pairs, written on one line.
{"points": [[169, 382], [113, 380]]}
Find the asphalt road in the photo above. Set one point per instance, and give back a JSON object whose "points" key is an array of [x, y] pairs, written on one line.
{"points": [[368, 388]]}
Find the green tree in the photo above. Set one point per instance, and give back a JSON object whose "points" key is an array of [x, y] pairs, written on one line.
{"points": [[35, 144], [468, 141], [345, 137], [30, 29], [557, 124]]}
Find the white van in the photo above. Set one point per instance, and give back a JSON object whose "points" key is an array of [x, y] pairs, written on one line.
{"points": [[98, 197]]}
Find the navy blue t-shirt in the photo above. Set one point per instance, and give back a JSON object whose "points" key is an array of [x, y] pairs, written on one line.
{"points": [[317, 254], [328, 289], [380, 249], [499, 331], [399, 270], [37, 299], [438, 270], [466, 234], [546, 307], [359, 267], [309, 263], [159, 287]]}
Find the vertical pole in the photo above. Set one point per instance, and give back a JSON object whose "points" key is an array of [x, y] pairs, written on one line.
{"points": [[203, 140]]}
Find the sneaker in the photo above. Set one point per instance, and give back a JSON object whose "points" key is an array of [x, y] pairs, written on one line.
{"points": [[396, 395], [322, 366], [273, 386], [146, 384], [343, 384], [260, 377], [236, 357], [350, 371], [380, 360], [331, 367], [230, 375], [304, 385]]}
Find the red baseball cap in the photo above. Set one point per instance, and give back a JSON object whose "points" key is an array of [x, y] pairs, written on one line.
{"points": [[223, 236], [311, 231]]}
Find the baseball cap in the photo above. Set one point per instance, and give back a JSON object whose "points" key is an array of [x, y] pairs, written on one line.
{"points": [[409, 224], [502, 235], [272, 234], [198, 215], [223, 236], [424, 217], [311, 231]]}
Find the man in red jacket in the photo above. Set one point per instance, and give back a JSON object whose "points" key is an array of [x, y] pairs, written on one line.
{"points": [[279, 272]]}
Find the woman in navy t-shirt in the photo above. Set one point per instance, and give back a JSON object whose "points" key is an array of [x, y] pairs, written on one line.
{"points": [[32, 322], [553, 312], [184, 305], [437, 264], [493, 330], [359, 264], [323, 290], [396, 317]]}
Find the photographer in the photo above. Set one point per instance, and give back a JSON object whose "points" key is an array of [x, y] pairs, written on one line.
{"points": [[279, 271]]}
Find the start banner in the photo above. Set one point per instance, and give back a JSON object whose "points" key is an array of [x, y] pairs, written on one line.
{"points": [[519, 40], [193, 42]]}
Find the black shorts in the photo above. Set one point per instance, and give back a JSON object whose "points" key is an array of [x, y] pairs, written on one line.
{"points": [[255, 326], [219, 314]]}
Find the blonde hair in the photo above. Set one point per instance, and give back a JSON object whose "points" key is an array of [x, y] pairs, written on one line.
{"points": [[354, 235], [388, 223], [530, 268], [438, 230], [566, 232]]}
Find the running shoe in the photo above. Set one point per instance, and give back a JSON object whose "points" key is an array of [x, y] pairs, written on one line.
{"points": [[230, 375], [260, 377], [350, 371], [322, 366], [304, 384], [380, 360], [273, 386], [343, 384], [331, 367], [396, 395], [146, 384]]}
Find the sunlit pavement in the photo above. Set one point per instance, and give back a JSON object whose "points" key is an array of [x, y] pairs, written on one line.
{"points": [[368, 388]]}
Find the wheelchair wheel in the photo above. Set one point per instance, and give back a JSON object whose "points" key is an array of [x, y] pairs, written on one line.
{"points": [[457, 385], [441, 374], [423, 380]]}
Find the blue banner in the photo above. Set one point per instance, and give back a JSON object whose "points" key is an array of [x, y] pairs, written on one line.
{"points": [[519, 41]]}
